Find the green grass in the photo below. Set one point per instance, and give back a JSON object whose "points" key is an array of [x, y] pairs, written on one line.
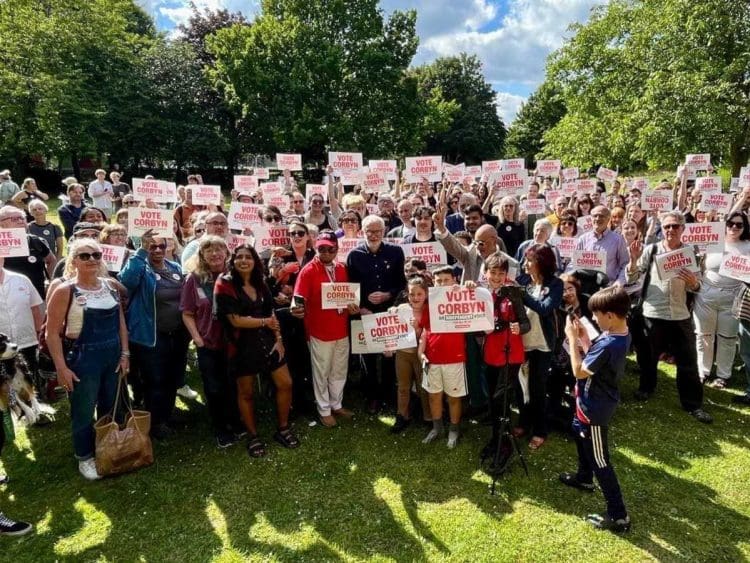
{"points": [[357, 493]]}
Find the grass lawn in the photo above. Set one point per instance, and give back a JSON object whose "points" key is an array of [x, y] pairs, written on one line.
{"points": [[357, 493]]}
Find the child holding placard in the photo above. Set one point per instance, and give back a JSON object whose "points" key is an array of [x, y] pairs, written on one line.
{"points": [[443, 356]]}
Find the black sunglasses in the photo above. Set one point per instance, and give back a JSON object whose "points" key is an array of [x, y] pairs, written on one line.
{"points": [[162, 246], [272, 219], [86, 256], [297, 233], [735, 224]]}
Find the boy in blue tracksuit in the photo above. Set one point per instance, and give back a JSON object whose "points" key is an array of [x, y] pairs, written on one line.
{"points": [[597, 394]]}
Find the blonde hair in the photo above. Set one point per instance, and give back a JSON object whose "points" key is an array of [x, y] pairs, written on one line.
{"points": [[197, 263], [73, 246]]}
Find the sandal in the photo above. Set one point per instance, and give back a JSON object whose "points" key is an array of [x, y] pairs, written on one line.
{"points": [[536, 442], [286, 438], [256, 447]]}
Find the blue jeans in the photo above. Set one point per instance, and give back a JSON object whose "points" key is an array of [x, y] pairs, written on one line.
{"points": [[95, 366], [745, 350]]}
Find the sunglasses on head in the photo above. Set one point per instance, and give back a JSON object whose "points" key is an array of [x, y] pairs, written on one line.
{"points": [[161, 246], [86, 256]]}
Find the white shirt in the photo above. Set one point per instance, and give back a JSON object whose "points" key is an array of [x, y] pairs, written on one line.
{"points": [[17, 297], [101, 194]]}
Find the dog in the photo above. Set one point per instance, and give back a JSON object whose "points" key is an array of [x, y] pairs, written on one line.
{"points": [[17, 393]]}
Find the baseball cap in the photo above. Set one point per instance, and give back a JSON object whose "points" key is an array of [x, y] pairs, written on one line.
{"points": [[326, 239], [85, 226]]}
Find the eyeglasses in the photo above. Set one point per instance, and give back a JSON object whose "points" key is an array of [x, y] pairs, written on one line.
{"points": [[348, 220], [86, 256], [130, 203], [671, 226], [272, 219], [327, 249], [162, 246], [216, 223], [317, 202], [199, 231], [374, 232], [299, 234], [735, 225]]}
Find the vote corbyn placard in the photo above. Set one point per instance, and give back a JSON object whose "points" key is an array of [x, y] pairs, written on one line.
{"points": [[454, 172], [388, 168], [386, 332], [585, 224], [606, 175], [708, 184], [474, 171], [589, 260], [205, 195], [735, 266], [534, 206], [639, 184], [513, 164], [346, 245], [669, 264], [698, 161], [267, 237], [233, 241], [244, 215], [158, 191], [719, 202], [357, 338], [345, 160], [13, 242], [286, 161], [510, 184], [708, 237], [245, 183], [548, 167], [565, 245], [113, 257], [570, 174], [585, 186], [375, 182], [657, 200], [418, 167], [262, 173], [339, 295], [316, 189], [459, 309], [490, 167], [142, 219], [430, 252]]}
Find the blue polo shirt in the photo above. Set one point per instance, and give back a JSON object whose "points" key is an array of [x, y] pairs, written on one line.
{"points": [[597, 395]]}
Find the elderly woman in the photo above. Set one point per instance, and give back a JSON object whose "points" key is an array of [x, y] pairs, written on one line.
{"points": [[714, 322], [244, 305], [158, 336], [196, 304], [88, 341], [542, 298], [43, 228], [542, 234], [509, 228]]}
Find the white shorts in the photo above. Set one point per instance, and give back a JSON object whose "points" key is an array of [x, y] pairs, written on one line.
{"points": [[446, 378]]}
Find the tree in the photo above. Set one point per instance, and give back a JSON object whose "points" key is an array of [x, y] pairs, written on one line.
{"points": [[319, 75], [651, 80], [542, 111], [476, 132]]}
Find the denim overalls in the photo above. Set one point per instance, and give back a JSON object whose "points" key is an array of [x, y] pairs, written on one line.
{"points": [[94, 358]]}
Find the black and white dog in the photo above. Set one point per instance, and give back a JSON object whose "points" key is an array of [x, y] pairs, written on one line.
{"points": [[17, 392]]}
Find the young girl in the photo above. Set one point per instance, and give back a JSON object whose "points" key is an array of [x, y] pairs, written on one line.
{"points": [[408, 363]]}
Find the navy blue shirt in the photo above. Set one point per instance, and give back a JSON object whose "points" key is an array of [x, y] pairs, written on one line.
{"points": [[382, 270], [597, 395]]}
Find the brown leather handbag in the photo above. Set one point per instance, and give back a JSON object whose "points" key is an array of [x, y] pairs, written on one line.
{"points": [[121, 448]]}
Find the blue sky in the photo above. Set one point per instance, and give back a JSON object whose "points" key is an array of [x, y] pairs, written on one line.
{"points": [[511, 37]]}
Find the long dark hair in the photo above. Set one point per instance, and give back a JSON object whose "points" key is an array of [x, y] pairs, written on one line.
{"points": [[745, 226], [257, 276]]}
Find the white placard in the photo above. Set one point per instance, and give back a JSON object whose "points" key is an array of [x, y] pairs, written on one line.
{"points": [[639, 184], [142, 219], [570, 174], [351, 177], [688, 169], [430, 252], [113, 257], [734, 185], [388, 168], [287, 161], [490, 167], [744, 177], [271, 190], [233, 241], [585, 224], [669, 264], [551, 195], [346, 245], [565, 245], [534, 206], [735, 266], [548, 167], [375, 182], [246, 183], [316, 189], [418, 167], [454, 172], [719, 202], [474, 171], [345, 160], [708, 184], [513, 165], [158, 191], [13, 242], [244, 215], [708, 237], [357, 338], [698, 161], [585, 186], [589, 260], [262, 173], [460, 309], [205, 195], [606, 174], [510, 184], [568, 189], [339, 295], [386, 332], [270, 236], [657, 200]]}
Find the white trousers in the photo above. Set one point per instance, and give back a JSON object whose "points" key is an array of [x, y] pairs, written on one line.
{"points": [[330, 363], [714, 323]]}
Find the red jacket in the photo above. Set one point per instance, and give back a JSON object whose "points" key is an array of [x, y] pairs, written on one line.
{"points": [[495, 342]]}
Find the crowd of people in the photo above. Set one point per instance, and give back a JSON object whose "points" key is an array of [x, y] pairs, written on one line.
{"points": [[257, 314]]}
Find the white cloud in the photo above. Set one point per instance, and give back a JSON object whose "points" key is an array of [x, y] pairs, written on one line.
{"points": [[177, 12], [508, 105]]}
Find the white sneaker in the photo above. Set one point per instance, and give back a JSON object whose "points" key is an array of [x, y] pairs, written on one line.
{"points": [[187, 393], [87, 468]]}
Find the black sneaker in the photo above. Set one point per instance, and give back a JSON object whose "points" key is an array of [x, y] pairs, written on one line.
{"points": [[702, 416], [400, 425], [606, 523], [225, 439], [571, 480], [10, 527]]}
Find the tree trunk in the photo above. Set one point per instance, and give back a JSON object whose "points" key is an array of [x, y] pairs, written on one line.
{"points": [[76, 165], [740, 150]]}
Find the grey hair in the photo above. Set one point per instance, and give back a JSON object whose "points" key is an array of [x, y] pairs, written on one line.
{"points": [[372, 219], [544, 224], [508, 199], [674, 214]]}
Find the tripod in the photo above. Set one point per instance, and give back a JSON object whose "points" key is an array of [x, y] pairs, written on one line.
{"points": [[506, 446]]}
